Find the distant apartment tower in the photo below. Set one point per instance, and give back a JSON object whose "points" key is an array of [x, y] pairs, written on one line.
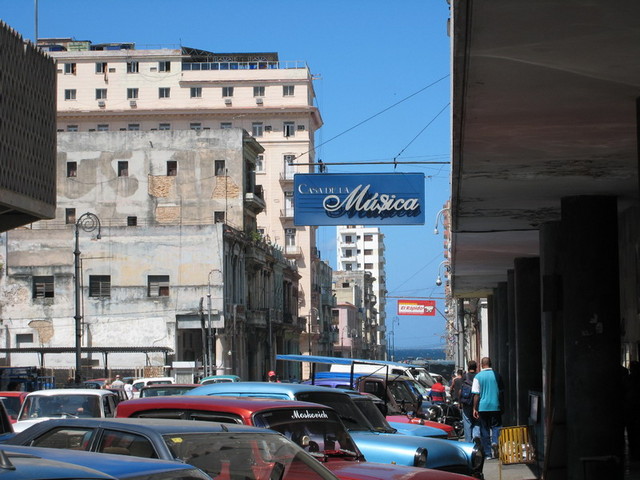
{"points": [[361, 248], [116, 87], [27, 132]]}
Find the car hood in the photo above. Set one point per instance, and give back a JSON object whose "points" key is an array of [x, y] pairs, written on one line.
{"points": [[440, 453], [418, 430], [21, 425], [346, 470]]}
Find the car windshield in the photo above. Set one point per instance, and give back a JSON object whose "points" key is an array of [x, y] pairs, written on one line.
{"points": [[11, 405], [341, 403], [374, 415], [36, 406], [422, 376], [316, 430], [246, 455], [163, 390], [401, 392]]}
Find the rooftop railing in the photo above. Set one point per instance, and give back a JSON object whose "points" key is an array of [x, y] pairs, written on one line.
{"points": [[257, 65]]}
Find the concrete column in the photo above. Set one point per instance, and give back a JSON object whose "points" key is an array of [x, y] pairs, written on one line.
{"points": [[528, 356], [509, 375], [501, 361], [591, 313], [491, 326], [552, 449]]}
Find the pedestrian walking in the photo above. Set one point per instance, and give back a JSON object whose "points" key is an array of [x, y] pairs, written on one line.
{"points": [[487, 408], [128, 389], [465, 398], [117, 383], [456, 383]]}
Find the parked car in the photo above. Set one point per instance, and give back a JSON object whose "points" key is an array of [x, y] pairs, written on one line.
{"points": [[12, 402], [143, 382], [52, 463], [219, 379], [164, 389], [223, 451], [65, 402], [316, 428], [458, 457]]}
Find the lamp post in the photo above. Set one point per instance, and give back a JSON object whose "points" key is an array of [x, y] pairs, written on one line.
{"points": [[87, 222], [211, 332]]}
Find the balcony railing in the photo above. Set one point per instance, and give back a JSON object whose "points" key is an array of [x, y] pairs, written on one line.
{"points": [[257, 65], [292, 251]]}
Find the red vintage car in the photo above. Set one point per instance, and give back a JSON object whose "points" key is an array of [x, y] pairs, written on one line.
{"points": [[12, 401], [316, 428]]}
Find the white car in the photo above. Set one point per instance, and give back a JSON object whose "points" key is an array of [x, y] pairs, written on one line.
{"points": [[143, 382], [64, 403]]}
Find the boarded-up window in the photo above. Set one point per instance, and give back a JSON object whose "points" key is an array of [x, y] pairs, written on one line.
{"points": [[43, 286], [158, 285], [100, 285]]}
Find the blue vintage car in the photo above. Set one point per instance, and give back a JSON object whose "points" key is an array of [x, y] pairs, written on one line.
{"points": [[382, 447], [92, 465]]}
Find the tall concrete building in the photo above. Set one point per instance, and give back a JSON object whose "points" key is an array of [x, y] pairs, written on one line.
{"points": [[27, 132], [361, 248], [164, 227], [116, 87]]}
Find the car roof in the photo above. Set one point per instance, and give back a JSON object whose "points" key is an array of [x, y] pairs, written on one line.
{"points": [[240, 405], [150, 379], [19, 466], [258, 388], [12, 393], [119, 466], [170, 385], [71, 391], [143, 425]]}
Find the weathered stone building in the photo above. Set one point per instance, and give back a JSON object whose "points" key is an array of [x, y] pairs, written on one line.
{"points": [[177, 212]]}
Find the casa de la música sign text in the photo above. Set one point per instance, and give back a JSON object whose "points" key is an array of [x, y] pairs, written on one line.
{"points": [[366, 199]]}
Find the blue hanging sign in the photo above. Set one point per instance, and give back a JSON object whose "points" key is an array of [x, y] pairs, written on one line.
{"points": [[363, 199]]}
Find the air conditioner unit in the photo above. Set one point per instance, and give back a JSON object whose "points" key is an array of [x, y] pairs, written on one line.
{"points": [[227, 101], [259, 101], [133, 103], [101, 103]]}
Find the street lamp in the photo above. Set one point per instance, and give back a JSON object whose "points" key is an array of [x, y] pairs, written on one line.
{"points": [[447, 266], [87, 222], [440, 217], [211, 332]]}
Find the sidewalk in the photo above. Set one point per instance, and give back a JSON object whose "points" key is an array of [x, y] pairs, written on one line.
{"points": [[516, 471]]}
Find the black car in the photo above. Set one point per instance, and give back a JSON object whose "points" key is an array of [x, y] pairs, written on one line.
{"points": [[218, 449]]}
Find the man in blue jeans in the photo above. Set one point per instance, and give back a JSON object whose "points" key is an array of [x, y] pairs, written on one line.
{"points": [[487, 389]]}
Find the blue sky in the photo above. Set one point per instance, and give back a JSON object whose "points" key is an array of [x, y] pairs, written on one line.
{"points": [[367, 55]]}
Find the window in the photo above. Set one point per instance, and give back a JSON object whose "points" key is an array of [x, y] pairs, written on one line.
{"points": [[225, 125], [123, 169], [260, 163], [348, 267], [289, 129], [100, 286], [195, 126], [69, 216], [220, 168], [72, 128], [132, 93], [227, 91], [172, 168], [69, 68], [43, 287], [348, 253], [72, 169], [257, 129], [196, 92], [70, 94], [290, 237], [258, 91], [164, 126], [101, 67], [368, 266], [164, 92], [22, 338], [368, 237], [133, 127], [101, 93], [133, 67], [287, 90], [103, 127], [218, 217], [164, 66], [348, 239], [132, 221], [368, 251], [158, 285]]}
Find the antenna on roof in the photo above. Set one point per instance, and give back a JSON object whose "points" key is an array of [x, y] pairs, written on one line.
{"points": [[35, 15]]}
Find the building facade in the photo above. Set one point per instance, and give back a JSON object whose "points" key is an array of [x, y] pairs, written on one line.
{"points": [[116, 87], [361, 248], [27, 132], [174, 263]]}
